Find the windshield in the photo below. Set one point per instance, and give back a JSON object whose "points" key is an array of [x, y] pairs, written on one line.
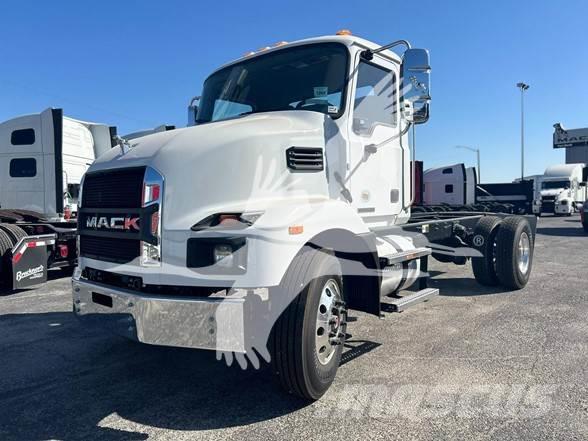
{"points": [[310, 77], [552, 185]]}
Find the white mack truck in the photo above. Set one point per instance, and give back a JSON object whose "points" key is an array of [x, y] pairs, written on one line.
{"points": [[286, 203], [562, 190]]}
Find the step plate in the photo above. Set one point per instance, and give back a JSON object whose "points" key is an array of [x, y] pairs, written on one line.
{"points": [[404, 256], [406, 302]]}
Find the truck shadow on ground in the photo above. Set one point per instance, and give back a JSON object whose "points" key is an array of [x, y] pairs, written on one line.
{"points": [[462, 286], [576, 231], [62, 381]]}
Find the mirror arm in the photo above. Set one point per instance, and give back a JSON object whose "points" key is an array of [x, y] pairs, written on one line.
{"points": [[368, 54]]}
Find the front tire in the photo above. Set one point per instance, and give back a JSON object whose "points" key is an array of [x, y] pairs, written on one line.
{"points": [[514, 252], [307, 340]]}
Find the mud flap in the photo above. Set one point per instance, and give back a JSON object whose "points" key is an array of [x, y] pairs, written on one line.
{"points": [[29, 260]]}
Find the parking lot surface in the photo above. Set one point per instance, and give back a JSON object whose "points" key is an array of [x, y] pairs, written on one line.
{"points": [[474, 363]]}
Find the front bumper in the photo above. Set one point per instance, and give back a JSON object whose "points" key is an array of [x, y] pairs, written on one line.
{"points": [[203, 323]]}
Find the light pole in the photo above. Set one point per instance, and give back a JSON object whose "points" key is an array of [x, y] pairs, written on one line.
{"points": [[477, 151], [523, 87]]}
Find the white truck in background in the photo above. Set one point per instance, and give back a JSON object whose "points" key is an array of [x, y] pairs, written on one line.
{"points": [[43, 157], [456, 187], [451, 184], [562, 190], [288, 202]]}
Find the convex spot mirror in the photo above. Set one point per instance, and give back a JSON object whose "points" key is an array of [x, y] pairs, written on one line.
{"points": [[416, 81]]}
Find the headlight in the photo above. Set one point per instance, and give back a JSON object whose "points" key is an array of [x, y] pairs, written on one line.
{"points": [[232, 221], [152, 196]]}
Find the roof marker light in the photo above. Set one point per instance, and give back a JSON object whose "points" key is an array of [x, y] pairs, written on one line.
{"points": [[344, 32], [280, 43]]}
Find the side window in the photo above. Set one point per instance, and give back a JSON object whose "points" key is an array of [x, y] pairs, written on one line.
{"points": [[23, 137], [375, 98], [449, 188], [447, 171], [23, 168]]}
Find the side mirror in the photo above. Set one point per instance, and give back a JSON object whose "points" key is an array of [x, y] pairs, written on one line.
{"points": [[416, 82], [582, 184], [193, 111], [585, 174]]}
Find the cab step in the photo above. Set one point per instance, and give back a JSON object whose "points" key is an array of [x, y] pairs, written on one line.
{"points": [[404, 256], [405, 302]]}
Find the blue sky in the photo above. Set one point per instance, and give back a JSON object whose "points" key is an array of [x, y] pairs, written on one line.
{"points": [[135, 64]]}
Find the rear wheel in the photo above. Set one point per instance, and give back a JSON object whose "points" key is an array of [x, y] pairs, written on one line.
{"points": [[307, 339], [514, 252], [14, 232], [484, 241]]}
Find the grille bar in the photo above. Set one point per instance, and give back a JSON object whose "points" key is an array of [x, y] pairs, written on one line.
{"points": [[109, 249]]}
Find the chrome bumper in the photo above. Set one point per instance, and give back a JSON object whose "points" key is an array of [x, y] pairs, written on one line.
{"points": [[203, 323]]}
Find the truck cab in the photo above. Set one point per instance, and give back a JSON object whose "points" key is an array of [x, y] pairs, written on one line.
{"points": [[561, 190], [44, 157], [252, 231]]}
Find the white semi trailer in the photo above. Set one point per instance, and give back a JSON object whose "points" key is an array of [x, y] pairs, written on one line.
{"points": [[288, 203], [43, 157], [562, 190]]}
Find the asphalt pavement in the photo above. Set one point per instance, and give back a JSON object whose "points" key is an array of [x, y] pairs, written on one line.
{"points": [[473, 363]]}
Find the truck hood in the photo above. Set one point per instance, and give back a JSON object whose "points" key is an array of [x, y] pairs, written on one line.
{"points": [[237, 164], [551, 192]]}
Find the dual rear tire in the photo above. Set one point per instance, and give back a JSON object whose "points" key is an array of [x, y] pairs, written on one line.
{"points": [[10, 235], [507, 251]]}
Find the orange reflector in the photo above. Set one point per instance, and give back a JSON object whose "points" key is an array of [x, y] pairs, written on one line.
{"points": [[280, 43], [344, 32], [261, 49], [296, 229]]}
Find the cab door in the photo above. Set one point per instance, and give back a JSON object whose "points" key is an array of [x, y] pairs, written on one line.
{"points": [[378, 163]]}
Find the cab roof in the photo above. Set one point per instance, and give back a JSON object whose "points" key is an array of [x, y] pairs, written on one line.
{"points": [[347, 40]]}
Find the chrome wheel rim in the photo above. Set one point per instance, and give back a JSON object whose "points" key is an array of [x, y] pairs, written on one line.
{"points": [[524, 253], [330, 322]]}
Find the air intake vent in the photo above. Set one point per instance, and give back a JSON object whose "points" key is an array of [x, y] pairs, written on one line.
{"points": [[305, 158], [113, 188]]}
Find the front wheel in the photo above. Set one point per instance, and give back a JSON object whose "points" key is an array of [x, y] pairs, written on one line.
{"points": [[307, 340]]}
